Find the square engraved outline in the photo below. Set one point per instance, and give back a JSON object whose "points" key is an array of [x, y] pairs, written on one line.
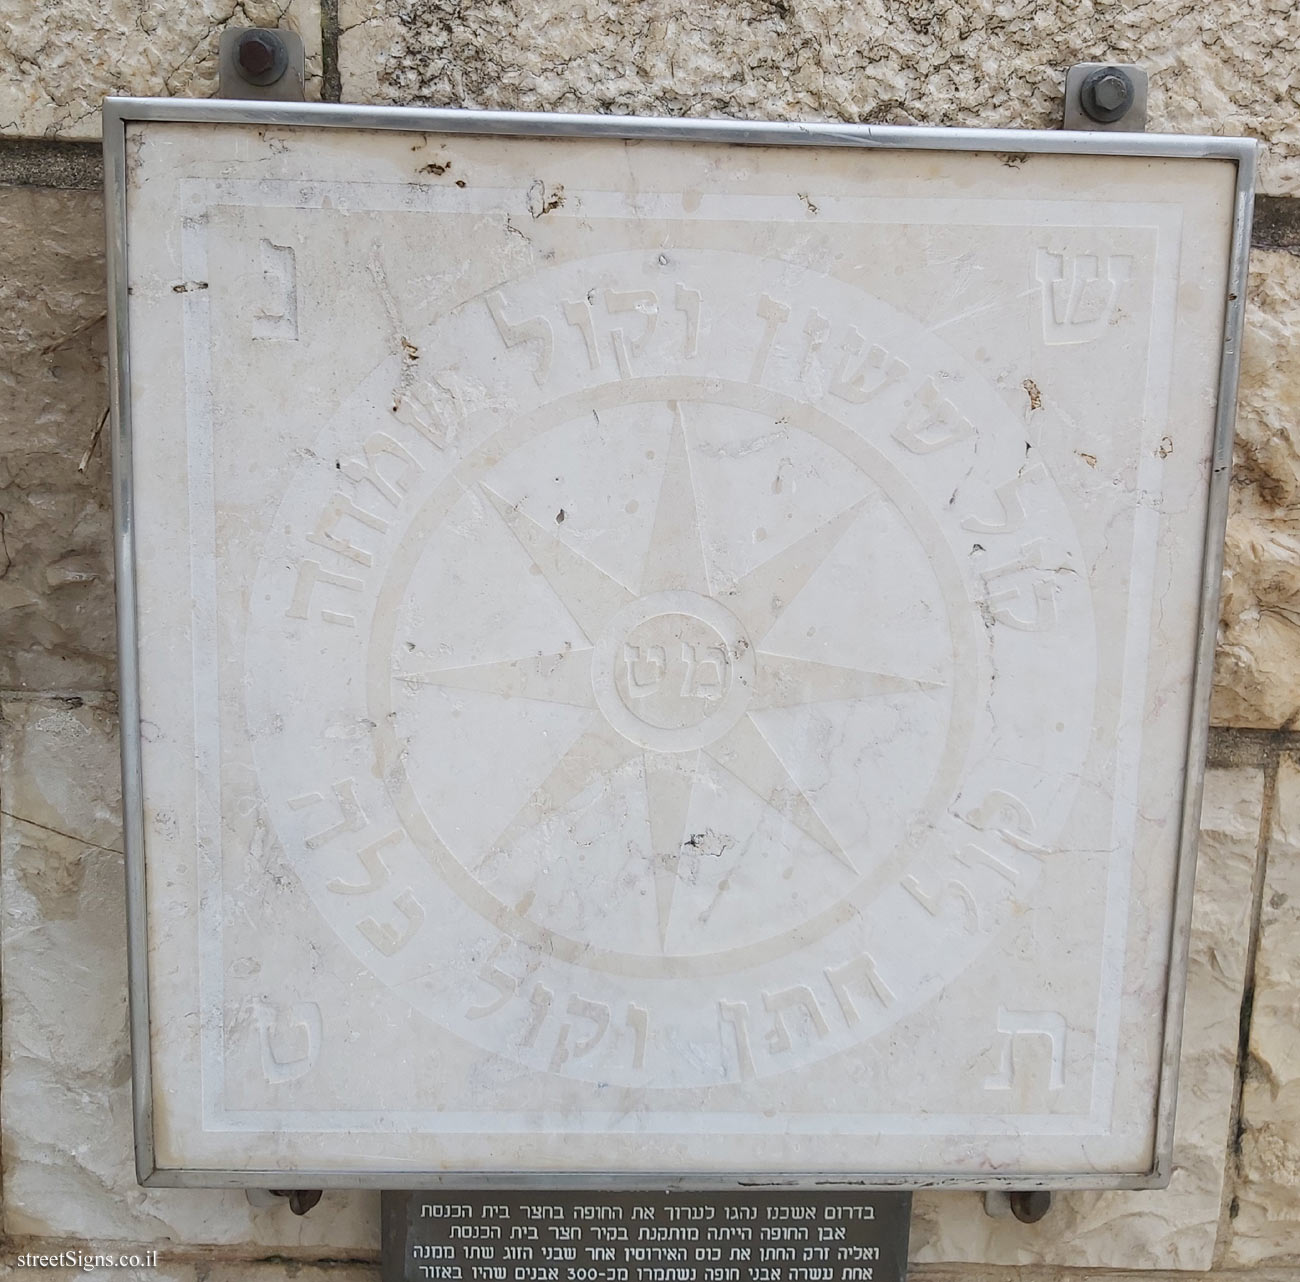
{"points": [[119, 112], [222, 194]]}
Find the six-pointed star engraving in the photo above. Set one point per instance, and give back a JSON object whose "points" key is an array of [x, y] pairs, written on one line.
{"points": [[672, 671]]}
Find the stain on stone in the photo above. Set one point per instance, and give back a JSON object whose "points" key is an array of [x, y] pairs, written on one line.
{"points": [[708, 842], [1035, 396], [541, 201]]}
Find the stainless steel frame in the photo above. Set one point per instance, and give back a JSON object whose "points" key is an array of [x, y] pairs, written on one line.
{"points": [[120, 112]]}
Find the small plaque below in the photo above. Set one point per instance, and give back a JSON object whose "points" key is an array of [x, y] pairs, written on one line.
{"points": [[568, 1236]]}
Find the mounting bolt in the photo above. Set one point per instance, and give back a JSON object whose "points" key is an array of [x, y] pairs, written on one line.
{"points": [[261, 56], [257, 63], [1030, 1205], [300, 1200], [1106, 94]]}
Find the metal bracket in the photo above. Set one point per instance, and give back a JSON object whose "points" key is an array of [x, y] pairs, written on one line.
{"points": [[300, 1200], [1028, 1206], [1106, 96], [261, 64]]}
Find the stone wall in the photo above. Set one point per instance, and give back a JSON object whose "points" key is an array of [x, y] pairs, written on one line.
{"points": [[1233, 1209]]}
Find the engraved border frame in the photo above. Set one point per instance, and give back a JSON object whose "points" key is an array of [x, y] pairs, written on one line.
{"points": [[121, 112]]}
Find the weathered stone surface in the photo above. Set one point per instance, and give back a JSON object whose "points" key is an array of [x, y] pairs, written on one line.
{"points": [[56, 544], [1266, 1227], [60, 59], [1257, 668], [1173, 1228], [1218, 67], [65, 1098]]}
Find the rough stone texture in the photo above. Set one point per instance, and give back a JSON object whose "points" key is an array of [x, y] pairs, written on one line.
{"points": [[56, 543], [43, 162], [1257, 669], [59, 59], [1173, 1228], [1276, 224], [65, 1097], [1266, 1227], [1222, 66]]}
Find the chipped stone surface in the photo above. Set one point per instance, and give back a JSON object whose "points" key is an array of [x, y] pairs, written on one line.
{"points": [[65, 1098], [1171, 1228], [1266, 1227], [1219, 67], [1257, 668], [56, 544], [60, 59]]}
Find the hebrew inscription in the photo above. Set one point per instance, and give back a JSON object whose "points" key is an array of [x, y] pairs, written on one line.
{"points": [[644, 1237], [604, 644]]}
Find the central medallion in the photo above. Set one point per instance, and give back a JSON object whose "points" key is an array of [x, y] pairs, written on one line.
{"points": [[673, 671]]}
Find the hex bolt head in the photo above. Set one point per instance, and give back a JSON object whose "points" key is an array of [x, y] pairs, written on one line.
{"points": [[261, 56], [1106, 94]]}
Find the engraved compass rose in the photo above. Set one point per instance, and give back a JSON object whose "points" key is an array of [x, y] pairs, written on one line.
{"points": [[673, 671]]}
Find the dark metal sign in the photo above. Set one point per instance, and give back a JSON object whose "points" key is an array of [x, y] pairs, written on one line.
{"points": [[585, 1236]]}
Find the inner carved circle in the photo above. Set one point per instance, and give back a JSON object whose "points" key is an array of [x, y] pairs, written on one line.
{"points": [[675, 670]]}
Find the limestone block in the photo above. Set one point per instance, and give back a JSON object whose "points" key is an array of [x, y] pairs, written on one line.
{"points": [[56, 545], [1219, 67], [65, 1095], [61, 58], [1173, 1228], [1266, 1227], [1257, 669]]}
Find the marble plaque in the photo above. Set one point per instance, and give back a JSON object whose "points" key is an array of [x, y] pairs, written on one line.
{"points": [[659, 656]]}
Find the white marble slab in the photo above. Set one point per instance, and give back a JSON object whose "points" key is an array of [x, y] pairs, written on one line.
{"points": [[662, 657]]}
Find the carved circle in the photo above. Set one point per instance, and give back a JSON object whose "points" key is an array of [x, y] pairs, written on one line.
{"points": [[884, 867], [673, 706]]}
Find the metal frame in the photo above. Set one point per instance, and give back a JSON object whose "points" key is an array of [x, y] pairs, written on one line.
{"points": [[119, 112]]}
